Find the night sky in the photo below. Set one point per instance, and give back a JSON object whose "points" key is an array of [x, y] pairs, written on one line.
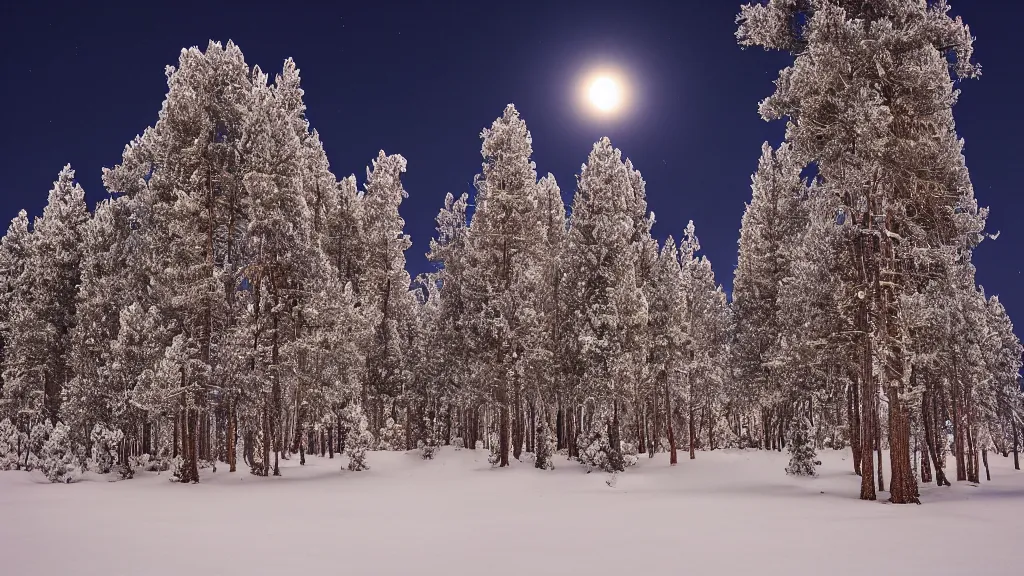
{"points": [[423, 78]]}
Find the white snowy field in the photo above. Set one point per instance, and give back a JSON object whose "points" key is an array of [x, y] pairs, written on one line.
{"points": [[730, 512]]}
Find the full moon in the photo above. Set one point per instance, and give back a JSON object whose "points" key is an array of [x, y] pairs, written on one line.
{"points": [[605, 93]]}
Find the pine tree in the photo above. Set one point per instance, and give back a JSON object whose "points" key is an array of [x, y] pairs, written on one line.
{"points": [[384, 283], [801, 449], [605, 304], [506, 317], [43, 312], [884, 142], [14, 249], [705, 318], [668, 342], [57, 456], [770, 230]]}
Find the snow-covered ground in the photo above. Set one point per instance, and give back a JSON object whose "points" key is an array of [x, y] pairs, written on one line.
{"points": [[732, 512]]}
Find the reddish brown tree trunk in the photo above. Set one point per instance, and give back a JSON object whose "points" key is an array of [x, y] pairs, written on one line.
{"points": [[673, 459], [853, 411], [1016, 443], [902, 485], [877, 418], [231, 436], [503, 433], [693, 434], [926, 469]]}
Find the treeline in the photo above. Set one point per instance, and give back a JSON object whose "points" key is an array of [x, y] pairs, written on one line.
{"points": [[233, 295]]}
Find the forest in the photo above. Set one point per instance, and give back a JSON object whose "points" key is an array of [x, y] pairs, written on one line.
{"points": [[232, 302]]}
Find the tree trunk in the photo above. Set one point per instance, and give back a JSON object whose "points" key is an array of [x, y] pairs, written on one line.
{"points": [[641, 419], [147, 442], [984, 458], [613, 431], [275, 425], [517, 427], [1016, 443], [673, 459], [902, 484], [878, 444], [531, 429], [503, 433], [853, 412], [926, 469], [177, 432], [232, 436], [559, 425], [928, 409], [692, 433], [652, 428]]}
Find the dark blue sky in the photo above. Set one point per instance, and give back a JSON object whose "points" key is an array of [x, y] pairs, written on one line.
{"points": [[423, 78]]}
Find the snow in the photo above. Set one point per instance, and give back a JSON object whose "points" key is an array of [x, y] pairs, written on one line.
{"points": [[728, 512]]}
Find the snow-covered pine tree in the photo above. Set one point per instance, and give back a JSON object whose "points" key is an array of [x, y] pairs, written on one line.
{"points": [[802, 457], [57, 459], [816, 334], [14, 249], [12, 443], [359, 438], [384, 284], [43, 313], [187, 169], [286, 267], [448, 287], [705, 317], [545, 447], [115, 270], [105, 446], [884, 142], [667, 344], [605, 305], [505, 276], [770, 228], [550, 372]]}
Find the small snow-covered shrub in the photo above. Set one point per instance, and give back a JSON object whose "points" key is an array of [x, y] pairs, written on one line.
{"points": [[630, 454], [392, 436], [802, 459], [459, 443], [154, 464], [358, 440], [597, 453], [57, 458], [479, 445], [175, 467], [494, 458], [10, 446], [104, 448], [545, 448], [36, 440], [427, 449]]}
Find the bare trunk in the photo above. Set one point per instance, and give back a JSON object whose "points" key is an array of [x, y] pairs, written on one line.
{"points": [[1016, 443], [673, 459], [147, 434], [177, 432], [902, 485], [853, 411], [503, 439], [232, 436], [692, 433], [877, 418]]}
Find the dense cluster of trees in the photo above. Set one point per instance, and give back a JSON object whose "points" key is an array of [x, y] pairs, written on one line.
{"points": [[232, 294]]}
